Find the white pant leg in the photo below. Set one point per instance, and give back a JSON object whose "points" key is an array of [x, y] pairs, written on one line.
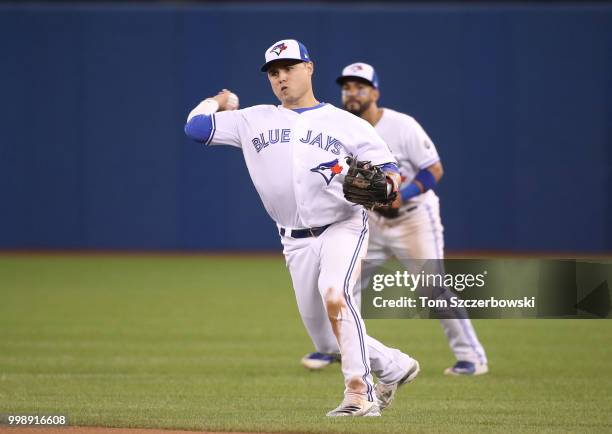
{"points": [[343, 245], [377, 255], [302, 258], [336, 247], [323, 271], [388, 364], [420, 236]]}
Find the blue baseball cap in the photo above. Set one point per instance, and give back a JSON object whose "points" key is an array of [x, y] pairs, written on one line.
{"points": [[361, 71], [285, 49]]}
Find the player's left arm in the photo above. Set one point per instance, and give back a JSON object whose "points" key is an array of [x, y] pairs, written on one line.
{"points": [[425, 179], [424, 155]]}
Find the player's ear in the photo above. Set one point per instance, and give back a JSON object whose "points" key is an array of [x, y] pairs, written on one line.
{"points": [[310, 67], [375, 95]]}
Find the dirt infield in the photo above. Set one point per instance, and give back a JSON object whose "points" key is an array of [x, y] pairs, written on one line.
{"points": [[95, 430]]}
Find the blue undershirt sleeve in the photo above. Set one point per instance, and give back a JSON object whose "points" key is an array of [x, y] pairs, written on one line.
{"points": [[389, 167], [199, 128], [427, 180]]}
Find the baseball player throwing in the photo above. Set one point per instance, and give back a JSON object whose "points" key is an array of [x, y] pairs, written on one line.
{"points": [[296, 156], [411, 229]]}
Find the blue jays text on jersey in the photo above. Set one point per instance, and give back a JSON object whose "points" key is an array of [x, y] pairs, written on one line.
{"points": [[283, 135]]}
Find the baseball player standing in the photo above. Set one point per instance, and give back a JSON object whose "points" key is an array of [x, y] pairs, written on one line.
{"points": [[295, 154], [411, 229]]}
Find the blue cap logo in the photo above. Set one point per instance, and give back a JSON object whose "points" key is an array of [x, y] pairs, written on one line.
{"points": [[278, 49]]}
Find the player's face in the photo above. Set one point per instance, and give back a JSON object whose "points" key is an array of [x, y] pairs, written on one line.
{"points": [[358, 96], [290, 80]]}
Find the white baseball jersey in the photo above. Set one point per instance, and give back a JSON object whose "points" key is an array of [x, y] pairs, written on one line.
{"points": [[411, 145], [293, 158]]}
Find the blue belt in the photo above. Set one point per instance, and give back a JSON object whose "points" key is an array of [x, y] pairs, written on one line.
{"points": [[303, 233]]}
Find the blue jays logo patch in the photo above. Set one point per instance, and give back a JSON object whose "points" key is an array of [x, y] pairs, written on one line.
{"points": [[278, 49], [328, 170]]}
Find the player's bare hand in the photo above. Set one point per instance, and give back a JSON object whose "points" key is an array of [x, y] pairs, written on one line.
{"points": [[391, 210], [394, 181], [397, 203], [227, 100]]}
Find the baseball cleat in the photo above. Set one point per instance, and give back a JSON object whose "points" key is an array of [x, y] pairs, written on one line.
{"points": [[466, 368], [385, 393], [318, 360], [350, 407]]}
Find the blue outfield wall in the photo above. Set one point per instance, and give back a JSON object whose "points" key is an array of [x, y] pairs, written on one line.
{"points": [[93, 100]]}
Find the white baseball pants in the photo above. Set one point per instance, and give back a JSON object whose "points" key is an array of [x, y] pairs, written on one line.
{"points": [[324, 271]]}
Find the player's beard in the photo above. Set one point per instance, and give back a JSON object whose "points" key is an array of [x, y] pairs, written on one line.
{"points": [[357, 108]]}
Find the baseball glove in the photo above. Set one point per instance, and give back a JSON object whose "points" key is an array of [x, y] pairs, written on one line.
{"points": [[366, 185]]}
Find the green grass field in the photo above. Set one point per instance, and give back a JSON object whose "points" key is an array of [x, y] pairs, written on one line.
{"points": [[200, 342]]}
